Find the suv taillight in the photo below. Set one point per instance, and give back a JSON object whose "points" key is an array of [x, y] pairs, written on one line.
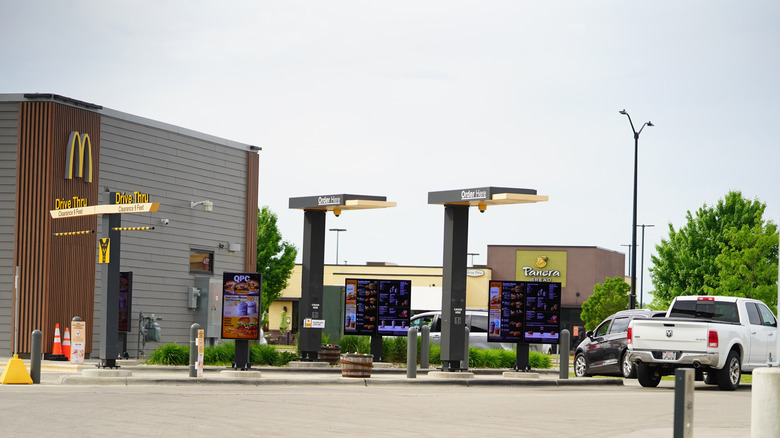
{"points": [[712, 339], [629, 336]]}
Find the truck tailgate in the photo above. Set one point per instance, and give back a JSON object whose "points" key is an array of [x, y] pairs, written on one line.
{"points": [[669, 335]]}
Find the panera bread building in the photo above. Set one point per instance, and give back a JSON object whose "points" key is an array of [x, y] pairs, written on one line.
{"points": [[58, 153]]}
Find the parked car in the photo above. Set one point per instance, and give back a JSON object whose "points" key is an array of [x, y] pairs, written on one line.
{"points": [[476, 321], [603, 351], [721, 337]]}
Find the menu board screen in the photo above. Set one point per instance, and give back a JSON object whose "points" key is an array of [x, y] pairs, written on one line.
{"points": [[524, 312], [125, 300], [377, 307], [241, 298]]}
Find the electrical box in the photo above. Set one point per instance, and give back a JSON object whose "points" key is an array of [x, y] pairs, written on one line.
{"points": [[192, 301], [214, 319]]}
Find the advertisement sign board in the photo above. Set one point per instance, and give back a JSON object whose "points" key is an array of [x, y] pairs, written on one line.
{"points": [[524, 312], [78, 331], [241, 299], [377, 307]]}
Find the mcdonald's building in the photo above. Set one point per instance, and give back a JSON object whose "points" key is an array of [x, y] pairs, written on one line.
{"points": [[187, 202]]}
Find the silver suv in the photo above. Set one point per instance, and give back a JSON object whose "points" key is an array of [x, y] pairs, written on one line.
{"points": [[476, 321]]}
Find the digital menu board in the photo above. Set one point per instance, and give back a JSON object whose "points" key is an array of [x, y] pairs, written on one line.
{"points": [[241, 299], [524, 312], [377, 307], [125, 300]]}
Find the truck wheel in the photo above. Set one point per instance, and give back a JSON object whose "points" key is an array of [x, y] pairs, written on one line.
{"points": [[580, 366], [628, 368], [728, 377], [647, 376]]}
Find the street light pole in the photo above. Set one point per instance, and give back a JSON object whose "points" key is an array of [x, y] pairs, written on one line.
{"points": [[338, 231], [632, 300], [642, 280]]}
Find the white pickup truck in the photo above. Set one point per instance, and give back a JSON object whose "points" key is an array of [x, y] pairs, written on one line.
{"points": [[720, 337]]}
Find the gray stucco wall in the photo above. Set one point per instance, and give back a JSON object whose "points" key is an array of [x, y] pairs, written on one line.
{"points": [[175, 169], [9, 122]]}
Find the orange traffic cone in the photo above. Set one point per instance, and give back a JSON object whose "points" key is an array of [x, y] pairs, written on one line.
{"points": [[56, 353], [66, 343]]}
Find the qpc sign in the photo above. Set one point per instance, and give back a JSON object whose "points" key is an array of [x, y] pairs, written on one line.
{"points": [[524, 312], [241, 299]]}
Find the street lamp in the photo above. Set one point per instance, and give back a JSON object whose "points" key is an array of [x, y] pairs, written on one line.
{"points": [[338, 231], [642, 281], [632, 300]]}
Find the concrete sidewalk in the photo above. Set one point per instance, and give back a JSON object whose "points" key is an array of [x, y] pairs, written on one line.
{"points": [[131, 372]]}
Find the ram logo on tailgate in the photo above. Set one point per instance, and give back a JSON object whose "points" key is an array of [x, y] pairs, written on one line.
{"points": [[668, 333]]}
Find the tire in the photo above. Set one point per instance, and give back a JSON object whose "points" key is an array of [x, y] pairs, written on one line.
{"points": [[647, 376], [627, 368], [580, 366], [728, 377]]}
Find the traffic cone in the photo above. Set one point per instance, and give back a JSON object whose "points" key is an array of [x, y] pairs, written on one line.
{"points": [[66, 343], [56, 353]]}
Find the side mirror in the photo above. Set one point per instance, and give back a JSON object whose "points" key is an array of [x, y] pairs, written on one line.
{"points": [[589, 333]]}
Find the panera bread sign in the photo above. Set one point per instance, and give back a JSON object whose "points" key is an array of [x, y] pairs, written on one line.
{"points": [[549, 266]]}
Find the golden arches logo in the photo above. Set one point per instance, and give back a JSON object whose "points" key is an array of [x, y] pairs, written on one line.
{"points": [[84, 145]]}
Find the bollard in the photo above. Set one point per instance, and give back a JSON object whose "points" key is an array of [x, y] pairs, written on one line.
{"points": [[765, 399], [563, 353], [411, 353], [425, 351], [464, 364], [683, 402], [194, 349], [35, 356]]}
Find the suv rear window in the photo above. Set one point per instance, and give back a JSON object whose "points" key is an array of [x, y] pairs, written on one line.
{"points": [[715, 310]]}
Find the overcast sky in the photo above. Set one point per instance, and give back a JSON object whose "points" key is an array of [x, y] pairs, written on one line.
{"points": [[405, 97]]}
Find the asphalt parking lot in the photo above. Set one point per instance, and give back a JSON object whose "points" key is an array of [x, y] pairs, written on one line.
{"points": [[302, 402]]}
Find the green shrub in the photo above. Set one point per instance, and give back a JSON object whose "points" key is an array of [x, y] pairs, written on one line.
{"points": [[170, 354], [435, 354], [284, 358], [355, 344], [220, 354], [263, 354], [394, 349], [539, 360]]}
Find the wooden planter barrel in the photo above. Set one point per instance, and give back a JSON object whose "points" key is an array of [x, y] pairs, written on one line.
{"points": [[329, 354], [356, 365]]}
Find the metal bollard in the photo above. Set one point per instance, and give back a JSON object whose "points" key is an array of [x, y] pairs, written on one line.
{"points": [[425, 351], [411, 353], [563, 352], [35, 356], [464, 364], [194, 349], [683, 402]]}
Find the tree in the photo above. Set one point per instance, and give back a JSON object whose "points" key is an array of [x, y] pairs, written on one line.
{"points": [[275, 257], [724, 250], [608, 298]]}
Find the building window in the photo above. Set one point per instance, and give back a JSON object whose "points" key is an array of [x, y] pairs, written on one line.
{"points": [[201, 261]]}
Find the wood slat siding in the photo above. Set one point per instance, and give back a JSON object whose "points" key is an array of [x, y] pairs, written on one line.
{"points": [[9, 123], [57, 274], [252, 193]]}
